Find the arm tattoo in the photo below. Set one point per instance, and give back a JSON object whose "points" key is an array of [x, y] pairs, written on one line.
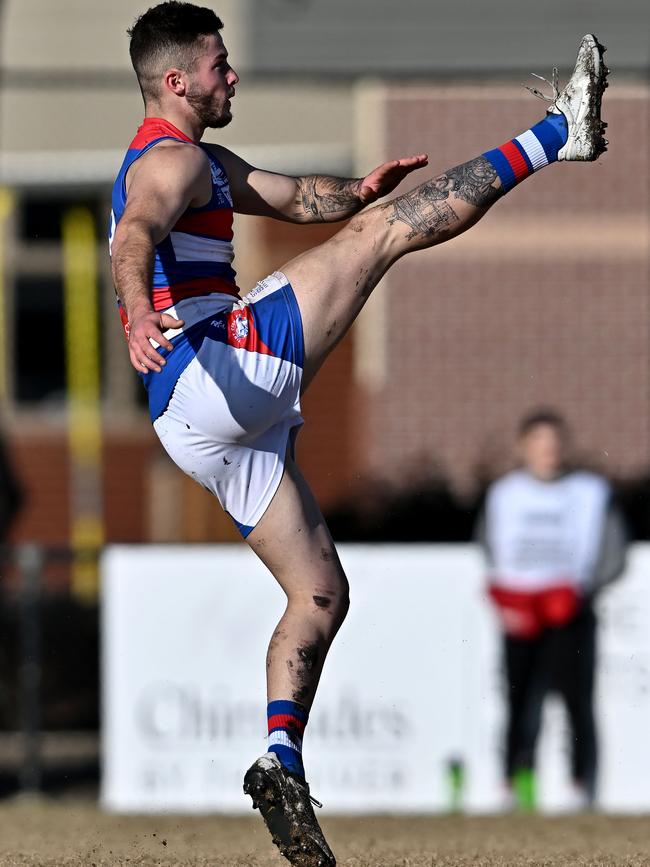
{"points": [[426, 209], [323, 199]]}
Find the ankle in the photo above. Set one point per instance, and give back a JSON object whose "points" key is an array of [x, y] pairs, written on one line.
{"points": [[286, 726]]}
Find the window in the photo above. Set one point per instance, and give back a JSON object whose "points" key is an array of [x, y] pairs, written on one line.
{"points": [[39, 362], [41, 216]]}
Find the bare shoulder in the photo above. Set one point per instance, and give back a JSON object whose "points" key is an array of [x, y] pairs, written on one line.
{"points": [[220, 152], [171, 161], [234, 165]]}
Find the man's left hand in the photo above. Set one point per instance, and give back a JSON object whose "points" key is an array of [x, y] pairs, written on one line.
{"points": [[386, 177]]}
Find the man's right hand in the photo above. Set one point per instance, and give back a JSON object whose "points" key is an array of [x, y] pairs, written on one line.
{"points": [[145, 326]]}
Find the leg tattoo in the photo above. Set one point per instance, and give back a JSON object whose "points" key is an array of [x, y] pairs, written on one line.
{"points": [[427, 210]]}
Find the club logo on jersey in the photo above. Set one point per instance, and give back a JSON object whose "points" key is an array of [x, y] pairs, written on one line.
{"points": [[220, 179], [239, 327]]}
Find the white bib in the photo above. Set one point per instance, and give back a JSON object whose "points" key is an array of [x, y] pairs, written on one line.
{"points": [[543, 533]]}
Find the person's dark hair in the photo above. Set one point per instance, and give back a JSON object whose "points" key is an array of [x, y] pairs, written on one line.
{"points": [[168, 35], [543, 416]]}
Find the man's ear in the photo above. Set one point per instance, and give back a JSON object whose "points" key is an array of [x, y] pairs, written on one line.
{"points": [[174, 81]]}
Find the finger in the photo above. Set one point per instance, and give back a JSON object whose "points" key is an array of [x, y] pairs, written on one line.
{"points": [[150, 353], [419, 159], [168, 321], [146, 339], [161, 340], [411, 163], [143, 364], [384, 169], [144, 350], [367, 195]]}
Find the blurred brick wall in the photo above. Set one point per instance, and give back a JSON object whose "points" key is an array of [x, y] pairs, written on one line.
{"points": [[545, 302], [42, 467]]}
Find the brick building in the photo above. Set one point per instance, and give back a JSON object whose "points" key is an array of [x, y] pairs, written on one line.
{"points": [[544, 302]]}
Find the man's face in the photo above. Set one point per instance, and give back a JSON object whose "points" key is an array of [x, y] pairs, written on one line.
{"points": [[212, 83], [543, 451]]}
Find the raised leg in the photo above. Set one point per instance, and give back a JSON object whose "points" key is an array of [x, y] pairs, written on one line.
{"points": [[332, 282]]}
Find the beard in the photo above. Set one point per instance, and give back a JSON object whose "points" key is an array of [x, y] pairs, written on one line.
{"points": [[210, 115]]}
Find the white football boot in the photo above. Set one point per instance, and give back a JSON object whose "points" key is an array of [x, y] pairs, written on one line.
{"points": [[580, 102]]}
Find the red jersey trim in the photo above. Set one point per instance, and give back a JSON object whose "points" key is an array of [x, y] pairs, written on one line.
{"points": [[213, 224], [152, 128], [166, 296]]}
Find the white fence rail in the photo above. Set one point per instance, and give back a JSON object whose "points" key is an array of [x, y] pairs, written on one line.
{"points": [[411, 683]]}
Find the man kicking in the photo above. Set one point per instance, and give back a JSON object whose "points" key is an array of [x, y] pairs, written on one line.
{"points": [[225, 372]]}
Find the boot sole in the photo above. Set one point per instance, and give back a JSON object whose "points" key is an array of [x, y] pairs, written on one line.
{"points": [[595, 126], [293, 843]]}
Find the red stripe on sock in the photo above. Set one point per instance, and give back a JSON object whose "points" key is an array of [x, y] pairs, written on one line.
{"points": [[517, 163], [286, 721]]}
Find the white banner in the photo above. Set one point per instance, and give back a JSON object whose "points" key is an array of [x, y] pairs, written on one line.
{"points": [[411, 684]]}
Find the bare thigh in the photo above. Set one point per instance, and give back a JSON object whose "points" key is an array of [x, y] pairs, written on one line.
{"points": [[293, 541], [332, 282]]}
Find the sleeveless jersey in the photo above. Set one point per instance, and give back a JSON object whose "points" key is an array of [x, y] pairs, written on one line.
{"points": [[195, 258]]}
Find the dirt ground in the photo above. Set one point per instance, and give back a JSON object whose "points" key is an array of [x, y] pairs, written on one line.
{"points": [[72, 833]]}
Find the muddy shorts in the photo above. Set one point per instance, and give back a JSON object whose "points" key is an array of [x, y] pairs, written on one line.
{"points": [[226, 406]]}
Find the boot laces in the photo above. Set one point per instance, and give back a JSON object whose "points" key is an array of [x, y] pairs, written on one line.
{"points": [[553, 84]]}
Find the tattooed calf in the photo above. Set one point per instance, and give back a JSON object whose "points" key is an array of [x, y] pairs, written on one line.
{"points": [[427, 209], [472, 182], [423, 211]]}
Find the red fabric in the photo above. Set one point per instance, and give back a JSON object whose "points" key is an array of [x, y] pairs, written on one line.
{"points": [[526, 615], [211, 224], [165, 296], [517, 162], [156, 127], [286, 721], [125, 322], [250, 339]]}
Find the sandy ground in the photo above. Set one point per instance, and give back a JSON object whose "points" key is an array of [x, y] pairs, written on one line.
{"points": [[73, 833]]}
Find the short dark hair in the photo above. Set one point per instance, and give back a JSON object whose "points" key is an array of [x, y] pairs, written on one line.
{"points": [[168, 35], [543, 416]]}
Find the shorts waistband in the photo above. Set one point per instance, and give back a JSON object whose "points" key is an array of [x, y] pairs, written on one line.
{"points": [[193, 310]]}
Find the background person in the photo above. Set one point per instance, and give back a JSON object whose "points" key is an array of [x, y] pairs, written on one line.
{"points": [[553, 538]]}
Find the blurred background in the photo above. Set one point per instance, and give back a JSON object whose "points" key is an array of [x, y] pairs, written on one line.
{"points": [[545, 303]]}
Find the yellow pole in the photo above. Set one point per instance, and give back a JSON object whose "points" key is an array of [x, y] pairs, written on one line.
{"points": [[81, 314], [7, 203]]}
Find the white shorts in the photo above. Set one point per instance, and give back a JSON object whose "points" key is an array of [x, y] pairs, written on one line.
{"points": [[226, 406]]}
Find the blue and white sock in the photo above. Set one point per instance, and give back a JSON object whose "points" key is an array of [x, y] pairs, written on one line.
{"points": [[532, 150], [287, 721]]}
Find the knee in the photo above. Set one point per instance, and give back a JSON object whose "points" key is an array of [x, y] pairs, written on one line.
{"points": [[372, 221], [372, 227], [324, 602], [335, 604], [343, 603]]}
